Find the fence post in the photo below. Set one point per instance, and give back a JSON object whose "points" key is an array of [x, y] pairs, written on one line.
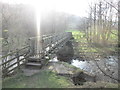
{"points": [[17, 55]]}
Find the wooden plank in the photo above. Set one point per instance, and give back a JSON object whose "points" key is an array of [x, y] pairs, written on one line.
{"points": [[13, 64], [18, 58], [33, 59], [6, 73], [10, 60], [14, 52], [33, 64]]}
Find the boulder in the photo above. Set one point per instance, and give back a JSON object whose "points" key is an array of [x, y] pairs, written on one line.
{"points": [[66, 52], [78, 78]]}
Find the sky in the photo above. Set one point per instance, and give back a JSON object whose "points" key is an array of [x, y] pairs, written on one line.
{"points": [[76, 7]]}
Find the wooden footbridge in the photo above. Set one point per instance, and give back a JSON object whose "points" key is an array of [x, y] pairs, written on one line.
{"points": [[35, 53]]}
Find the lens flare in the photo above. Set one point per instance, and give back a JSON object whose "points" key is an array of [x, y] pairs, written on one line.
{"points": [[38, 15]]}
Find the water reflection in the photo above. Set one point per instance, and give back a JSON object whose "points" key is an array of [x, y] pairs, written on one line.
{"points": [[84, 65], [79, 64], [54, 60]]}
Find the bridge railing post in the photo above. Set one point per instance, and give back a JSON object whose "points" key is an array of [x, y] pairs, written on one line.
{"points": [[18, 58], [51, 43]]}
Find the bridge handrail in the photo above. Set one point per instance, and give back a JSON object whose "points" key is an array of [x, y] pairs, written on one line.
{"points": [[48, 40], [5, 67], [15, 51]]}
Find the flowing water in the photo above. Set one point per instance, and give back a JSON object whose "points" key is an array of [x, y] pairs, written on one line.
{"points": [[109, 65]]}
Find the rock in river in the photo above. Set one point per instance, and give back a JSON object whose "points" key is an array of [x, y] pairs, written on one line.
{"points": [[66, 52]]}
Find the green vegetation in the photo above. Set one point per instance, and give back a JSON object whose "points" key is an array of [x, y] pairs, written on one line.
{"points": [[75, 69], [87, 49], [114, 36], [72, 30], [48, 79], [81, 38], [44, 79]]}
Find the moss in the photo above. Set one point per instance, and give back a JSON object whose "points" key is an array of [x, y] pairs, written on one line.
{"points": [[75, 69], [67, 65]]}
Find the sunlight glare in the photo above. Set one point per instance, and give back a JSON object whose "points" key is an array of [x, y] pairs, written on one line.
{"points": [[38, 18], [76, 7]]}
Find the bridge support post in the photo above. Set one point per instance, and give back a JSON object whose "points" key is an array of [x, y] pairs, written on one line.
{"points": [[18, 62]]}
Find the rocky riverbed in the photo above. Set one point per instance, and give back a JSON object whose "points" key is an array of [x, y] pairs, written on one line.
{"points": [[91, 73], [76, 75], [105, 69]]}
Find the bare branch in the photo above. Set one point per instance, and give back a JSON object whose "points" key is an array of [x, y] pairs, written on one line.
{"points": [[112, 5]]}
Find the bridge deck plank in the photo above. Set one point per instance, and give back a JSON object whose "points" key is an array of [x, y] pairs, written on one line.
{"points": [[33, 64]]}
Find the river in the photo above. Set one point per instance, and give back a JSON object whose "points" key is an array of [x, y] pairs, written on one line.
{"points": [[109, 65]]}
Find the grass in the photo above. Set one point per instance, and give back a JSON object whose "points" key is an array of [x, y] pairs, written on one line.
{"points": [[72, 30], [80, 37], [75, 69], [114, 35], [47, 79], [44, 79], [87, 49]]}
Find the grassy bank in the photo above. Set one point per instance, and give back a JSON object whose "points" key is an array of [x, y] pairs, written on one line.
{"points": [[49, 79], [44, 79], [84, 45]]}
